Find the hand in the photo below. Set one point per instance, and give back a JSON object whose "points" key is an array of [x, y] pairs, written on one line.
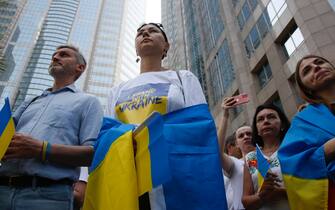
{"points": [[270, 188], [228, 103], [79, 189], [23, 147]]}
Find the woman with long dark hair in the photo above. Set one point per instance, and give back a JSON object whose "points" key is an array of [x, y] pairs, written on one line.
{"points": [[269, 128]]}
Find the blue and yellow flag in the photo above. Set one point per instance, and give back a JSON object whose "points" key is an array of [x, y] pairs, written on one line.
{"points": [[192, 181], [117, 178], [194, 160], [151, 160], [302, 159], [7, 127], [263, 166]]}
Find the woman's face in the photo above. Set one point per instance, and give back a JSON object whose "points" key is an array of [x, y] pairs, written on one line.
{"points": [[150, 40], [316, 74], [268, 123]]}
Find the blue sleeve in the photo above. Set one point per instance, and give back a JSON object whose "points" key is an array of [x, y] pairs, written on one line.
{"points": [[91, 122]]}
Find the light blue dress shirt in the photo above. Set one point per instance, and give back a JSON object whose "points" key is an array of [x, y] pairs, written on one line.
{"points": [[67, 116]]}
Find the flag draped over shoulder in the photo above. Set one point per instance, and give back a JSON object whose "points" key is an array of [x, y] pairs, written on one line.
{"points": [[7, 127], [302, 159], [179, 150], [197, 182]]}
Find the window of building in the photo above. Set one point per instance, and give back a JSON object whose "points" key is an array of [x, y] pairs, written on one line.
{"points": [[221, 73], [293, 41], [275, 9], [264, 74], [252, 4], [235, 2], [246, 11], [240, 20], [263, 26], [332, 3], [254, 37]]}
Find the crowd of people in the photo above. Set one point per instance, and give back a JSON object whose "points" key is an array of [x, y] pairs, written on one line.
{"points": [[45, 164]]}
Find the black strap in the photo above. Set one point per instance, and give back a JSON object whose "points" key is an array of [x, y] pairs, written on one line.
{"points": [[182, 87]]}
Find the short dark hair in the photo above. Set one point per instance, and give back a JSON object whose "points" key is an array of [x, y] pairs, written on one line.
{"points": [[79, 55], [285, 124], [230, 140], [157, 25]]}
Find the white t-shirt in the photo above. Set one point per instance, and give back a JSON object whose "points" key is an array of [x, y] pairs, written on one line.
{"points": [[251, 160], [229, 192], [83, 174], [234, 184], [162, 91]]}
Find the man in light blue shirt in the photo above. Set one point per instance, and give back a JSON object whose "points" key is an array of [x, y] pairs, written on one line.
{"points": [[54, 135]]}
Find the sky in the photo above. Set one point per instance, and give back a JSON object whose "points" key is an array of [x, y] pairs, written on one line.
{"points": [[153, 11]]}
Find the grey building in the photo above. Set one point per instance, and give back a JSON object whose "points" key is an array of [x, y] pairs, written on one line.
{"points": [[252, 46], [172, 19], [104, 30], [9, 14]]}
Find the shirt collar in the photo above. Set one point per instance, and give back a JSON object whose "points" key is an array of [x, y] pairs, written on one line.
{"points": [[70, 87]]}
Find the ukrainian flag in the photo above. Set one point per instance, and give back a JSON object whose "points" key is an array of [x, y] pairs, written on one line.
{"points": [[197, 182], [263, 166], [7, 127], [302, 160], [190, 172], [116, 178]]}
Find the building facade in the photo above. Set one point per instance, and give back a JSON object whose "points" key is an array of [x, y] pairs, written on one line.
{"points": [[114, 56], [172, 20], [252, 46], [104, 30], [9, 15]]}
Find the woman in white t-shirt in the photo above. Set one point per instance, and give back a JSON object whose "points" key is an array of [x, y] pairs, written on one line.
{"points": [[269, 128], [155, 89]]}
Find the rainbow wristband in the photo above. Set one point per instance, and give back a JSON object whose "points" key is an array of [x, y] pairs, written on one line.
{"points": [[44, 149], [47, 151]]}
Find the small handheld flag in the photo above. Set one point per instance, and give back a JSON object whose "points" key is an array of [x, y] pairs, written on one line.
{"points": [[263, 165], [7, 127]]}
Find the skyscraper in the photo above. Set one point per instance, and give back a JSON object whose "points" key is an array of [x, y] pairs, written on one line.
{"points": [[172, 20], [104, 30], [113, 58], [252, 46], [9, 14]]}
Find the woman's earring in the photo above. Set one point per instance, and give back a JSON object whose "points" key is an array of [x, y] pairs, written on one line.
{"points": [[137, 59]]}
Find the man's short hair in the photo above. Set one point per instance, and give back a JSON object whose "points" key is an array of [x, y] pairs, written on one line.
{"points": [[79, 55], [230, 141]]}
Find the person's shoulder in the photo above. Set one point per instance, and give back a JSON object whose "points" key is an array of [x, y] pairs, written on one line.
{"points": [[87, 98], [237, 161], [186, 73]]}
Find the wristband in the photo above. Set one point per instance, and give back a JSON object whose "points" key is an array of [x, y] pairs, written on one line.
{"points": [[47, 151], [44, 148]]}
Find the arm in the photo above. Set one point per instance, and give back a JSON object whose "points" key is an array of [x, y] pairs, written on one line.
{"points": [[24, 147], [329, 148], [250, 199], [227, 104], [79, 188], [227, 163]]}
